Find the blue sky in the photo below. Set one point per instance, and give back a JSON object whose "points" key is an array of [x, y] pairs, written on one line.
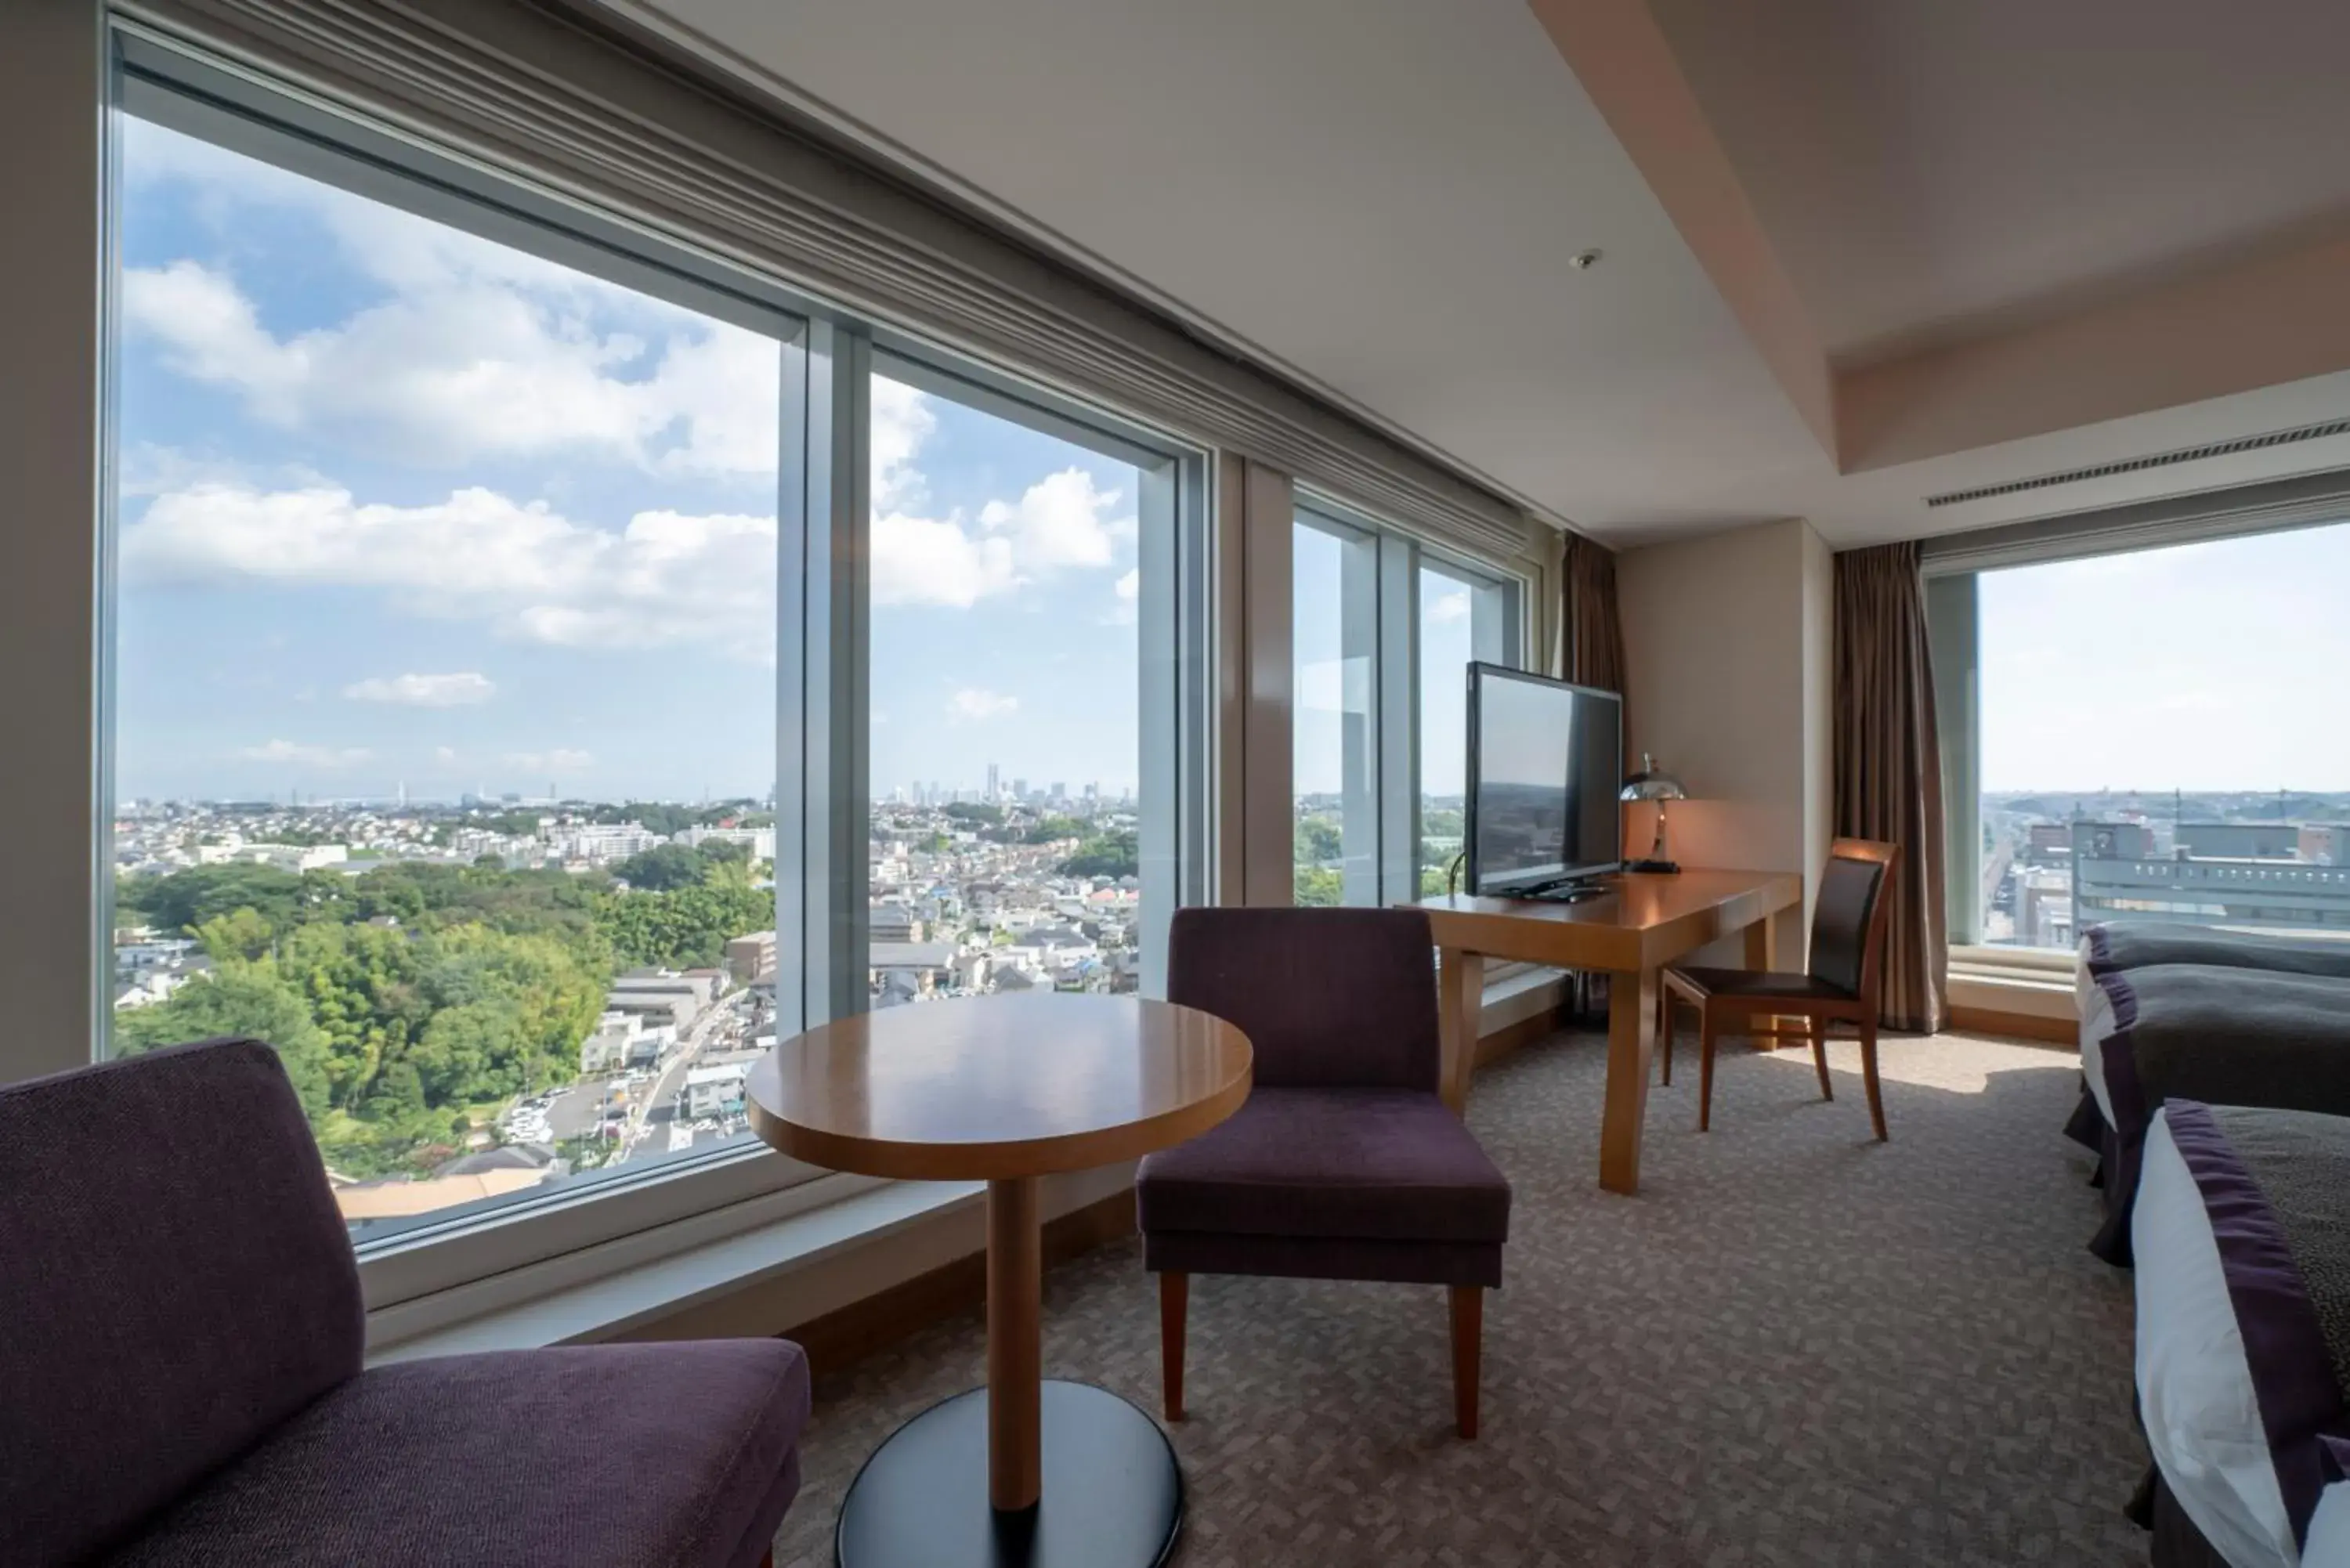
{"points": [[400, 505], [2216, 666]]}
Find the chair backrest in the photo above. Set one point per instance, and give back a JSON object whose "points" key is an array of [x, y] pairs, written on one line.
{"points": [[1848, 921], [174, 1282], [1328, 998]]}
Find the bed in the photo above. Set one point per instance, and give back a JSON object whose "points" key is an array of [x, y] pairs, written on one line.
{"points": [[2203, 1032], [2242, 1238], [2143, 944]]}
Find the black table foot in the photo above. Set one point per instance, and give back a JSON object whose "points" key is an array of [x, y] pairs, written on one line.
{"points": [[1113, 1497]]}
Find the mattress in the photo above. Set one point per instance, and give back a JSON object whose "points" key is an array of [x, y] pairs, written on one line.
{"points": [[2229, 1461]]}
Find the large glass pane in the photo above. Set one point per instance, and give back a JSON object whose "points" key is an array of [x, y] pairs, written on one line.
{"points": [[444, 729], [2162, 738], [1461, 618], [1334, 745], [1003, 745]]}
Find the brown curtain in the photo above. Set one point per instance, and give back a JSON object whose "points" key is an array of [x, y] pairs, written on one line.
{"points": [[1592, 639], [1889, 765]]}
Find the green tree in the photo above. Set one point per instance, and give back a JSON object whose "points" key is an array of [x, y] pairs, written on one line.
{"points": [[247, 999], [1114, 853], [186, 899], [1317, 888], [1319, 841], [1055, 830], [661, 869], [974, 811], [687, 929], [241, 933]]}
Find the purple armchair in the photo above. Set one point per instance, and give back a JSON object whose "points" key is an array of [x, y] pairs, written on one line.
{"points": [[180, 1335], [1344, 1164]]}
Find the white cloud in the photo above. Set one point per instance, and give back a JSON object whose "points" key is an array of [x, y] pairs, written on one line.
{"points": [[1062, 520], [931, 561], [452, 691], [973, 704], [444, 755], [465, 366], [561, 760], [1448, 607], [902, 420], [296, 752], [1129, 591], [667, 578]]}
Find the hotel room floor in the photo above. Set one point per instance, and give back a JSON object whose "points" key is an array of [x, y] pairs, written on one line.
{"points": [[1796, 1346]]}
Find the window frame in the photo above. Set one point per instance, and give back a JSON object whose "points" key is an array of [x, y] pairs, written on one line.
{"points": [[1953, 567], [822, 609]]}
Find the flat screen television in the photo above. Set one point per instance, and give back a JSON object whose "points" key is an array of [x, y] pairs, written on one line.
{"points": [[1545, 761]]}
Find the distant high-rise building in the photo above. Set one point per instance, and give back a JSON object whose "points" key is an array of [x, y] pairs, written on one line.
{"points": [[1060, 790], [992, 791], [1020, 789]]}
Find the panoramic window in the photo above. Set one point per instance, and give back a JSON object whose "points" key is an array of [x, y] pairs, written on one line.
{"points": [[1003, 742], [2159, 738], [1334, 760], [444, 725]]}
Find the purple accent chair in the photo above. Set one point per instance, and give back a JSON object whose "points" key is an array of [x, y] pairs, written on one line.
{"points": [[1344, 1164], [180, 1335]]}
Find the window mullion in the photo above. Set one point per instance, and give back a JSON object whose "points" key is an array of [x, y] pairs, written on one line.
{"points": [[1399, 720]]}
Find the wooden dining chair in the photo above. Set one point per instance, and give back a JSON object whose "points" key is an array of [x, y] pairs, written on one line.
{"points": [[1840, 985]]}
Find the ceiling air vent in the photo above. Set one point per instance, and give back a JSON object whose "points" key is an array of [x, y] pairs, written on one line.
{"points": [[2153, 460]]}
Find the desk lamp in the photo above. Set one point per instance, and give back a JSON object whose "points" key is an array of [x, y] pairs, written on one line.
{"points": [[1649, 783]]}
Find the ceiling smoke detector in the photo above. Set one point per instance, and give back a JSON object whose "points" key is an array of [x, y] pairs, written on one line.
{"points": [[1584, 261]]}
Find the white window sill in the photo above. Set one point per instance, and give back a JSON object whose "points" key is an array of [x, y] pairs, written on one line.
{"points": [[840, 1237], [877, 1235]]}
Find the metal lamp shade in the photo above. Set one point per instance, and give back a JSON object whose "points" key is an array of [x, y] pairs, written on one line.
{"points": [[1651, 783]]}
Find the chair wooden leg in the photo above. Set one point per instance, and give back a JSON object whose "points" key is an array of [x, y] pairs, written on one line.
{"points": [[1468, 1338], [1174, 1295], [769, 1560], [1868, 1076], [1665, 1033], [1705, 1032], [1820, 1056]]}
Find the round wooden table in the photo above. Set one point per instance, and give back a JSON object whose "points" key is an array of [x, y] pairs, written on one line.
{"points": [[1005, 1089]]}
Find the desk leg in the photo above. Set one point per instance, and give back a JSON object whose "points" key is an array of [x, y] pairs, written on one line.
{"points": [[1016, 1287], [1460, 1001], [1762, 953], [1631, 1042]]}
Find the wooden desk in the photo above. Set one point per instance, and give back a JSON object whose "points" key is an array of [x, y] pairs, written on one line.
{"points": [[1005, 1089], [1641, 924]]}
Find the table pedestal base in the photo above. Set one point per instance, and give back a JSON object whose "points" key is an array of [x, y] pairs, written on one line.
{"points": [[1113, 1497]]}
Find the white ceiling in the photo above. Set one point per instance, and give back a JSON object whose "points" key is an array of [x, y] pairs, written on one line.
{"points": [[1382, 198], [1926, 166]]}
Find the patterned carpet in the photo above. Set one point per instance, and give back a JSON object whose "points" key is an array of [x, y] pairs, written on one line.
{"points": [[1795, 1347]]}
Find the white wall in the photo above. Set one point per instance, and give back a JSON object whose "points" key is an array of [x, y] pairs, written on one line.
{"points": [[1728, 677]]}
